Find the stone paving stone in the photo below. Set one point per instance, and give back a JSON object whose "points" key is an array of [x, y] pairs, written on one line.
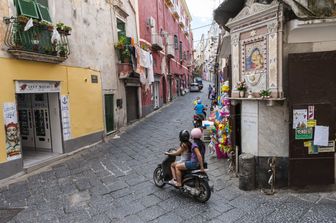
{"points": [[168, 218], [150, 200], [151, 213]]}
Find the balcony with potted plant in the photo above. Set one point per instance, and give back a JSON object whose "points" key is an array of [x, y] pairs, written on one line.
{"points": [[31, 35], [124, 56]]}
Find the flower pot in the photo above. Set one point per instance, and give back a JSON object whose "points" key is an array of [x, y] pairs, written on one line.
{"points": [[241, 94]]}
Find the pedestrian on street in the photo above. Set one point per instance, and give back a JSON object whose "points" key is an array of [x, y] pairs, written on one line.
{"points": [[209, 91]]}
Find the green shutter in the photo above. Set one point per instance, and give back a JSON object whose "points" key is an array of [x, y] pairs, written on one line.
{"points": [[43, 2], [28, 8], [44, 13]]}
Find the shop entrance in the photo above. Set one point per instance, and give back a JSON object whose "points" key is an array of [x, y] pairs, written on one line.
{"points": [[39, 120]]}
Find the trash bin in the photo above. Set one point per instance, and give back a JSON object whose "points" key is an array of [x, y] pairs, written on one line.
{"points": [[247, 171]]}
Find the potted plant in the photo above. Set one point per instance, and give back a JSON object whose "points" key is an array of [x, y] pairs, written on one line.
{"points": [[265, 94], [67, 30], [22, 19], [63, 49], [241, 87], [123, 51]]}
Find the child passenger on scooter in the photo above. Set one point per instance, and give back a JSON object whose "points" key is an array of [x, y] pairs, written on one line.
{"points": [[197, 156], [184, 151]]}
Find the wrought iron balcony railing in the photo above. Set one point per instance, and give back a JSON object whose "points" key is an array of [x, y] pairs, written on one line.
{"points": [[36, 43]]}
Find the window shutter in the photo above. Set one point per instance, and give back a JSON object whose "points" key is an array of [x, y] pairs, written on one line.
{"points": [[28, 8], [43, 12], [43, 2]]}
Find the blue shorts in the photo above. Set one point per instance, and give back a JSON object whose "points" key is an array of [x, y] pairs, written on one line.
{"points": [[191, 165]]}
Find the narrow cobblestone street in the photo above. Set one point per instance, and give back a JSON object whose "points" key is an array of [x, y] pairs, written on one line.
{"points": [[112, 182]]}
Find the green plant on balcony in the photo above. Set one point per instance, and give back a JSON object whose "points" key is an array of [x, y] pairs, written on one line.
{"points": [[63, 49], [61, 28], [123, 51], [46, 26], [22, 19]]}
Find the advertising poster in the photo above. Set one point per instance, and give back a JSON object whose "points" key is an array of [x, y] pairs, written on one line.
{"points": [[300, 118], [13, 144], [304, 133], [311, 123], [65, 111]]}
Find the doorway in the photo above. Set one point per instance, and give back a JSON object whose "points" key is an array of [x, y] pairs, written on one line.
{"points": [[156, 95], [40, 126], [132, 103], [311, 91], [109, 108]]}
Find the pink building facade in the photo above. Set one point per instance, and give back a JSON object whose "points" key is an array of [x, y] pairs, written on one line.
{"points": [[164, 30]]}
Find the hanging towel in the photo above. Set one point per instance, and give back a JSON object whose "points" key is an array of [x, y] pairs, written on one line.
{"points": [[29, 25], [151, 69]]}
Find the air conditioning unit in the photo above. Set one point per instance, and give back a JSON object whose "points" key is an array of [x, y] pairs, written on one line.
{"points": [[151, 22]]}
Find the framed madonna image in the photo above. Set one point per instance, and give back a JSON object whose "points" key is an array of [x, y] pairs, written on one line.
{"points": [[254, 59]]}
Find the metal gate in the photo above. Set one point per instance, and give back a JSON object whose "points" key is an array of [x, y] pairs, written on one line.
{"points": [[311, 92]]}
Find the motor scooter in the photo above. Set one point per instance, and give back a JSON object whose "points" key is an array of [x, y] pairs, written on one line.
{"points": [[194, 182], [197, 122]]}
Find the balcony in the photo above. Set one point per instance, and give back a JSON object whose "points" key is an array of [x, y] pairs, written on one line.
{"points": [[186, 31], [35, 43], [176, 11], [170, 47], [169, 3], [124, 70], [157, 43], [182, 21]]}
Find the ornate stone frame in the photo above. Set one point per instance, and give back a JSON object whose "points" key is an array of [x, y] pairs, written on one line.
{"points": [[253, 77]]}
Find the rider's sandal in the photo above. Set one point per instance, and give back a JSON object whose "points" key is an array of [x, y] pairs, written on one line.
{"points": [[172, 182]]}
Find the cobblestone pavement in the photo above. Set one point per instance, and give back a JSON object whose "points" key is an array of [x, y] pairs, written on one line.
{"points": [[112, 182]]}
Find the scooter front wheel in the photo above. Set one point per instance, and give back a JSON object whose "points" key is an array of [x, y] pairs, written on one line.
{"points": [[158, 177]]}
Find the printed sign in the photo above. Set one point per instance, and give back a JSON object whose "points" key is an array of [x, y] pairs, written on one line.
{"points": [[327, 149], [304, 133], [13, 144], [311, 112], [37, 86], [65, 111], [321, 135], [311, 123], [300, 118]]}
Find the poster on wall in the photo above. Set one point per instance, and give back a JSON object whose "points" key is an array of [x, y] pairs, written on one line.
{"points": [[65, 111], [304, 133], [13, 144], [300, 118], [321, 135], [327, 149]]}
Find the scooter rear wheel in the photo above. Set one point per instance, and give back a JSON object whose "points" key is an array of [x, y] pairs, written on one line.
{"points": [[205, 191], [158, 177]]}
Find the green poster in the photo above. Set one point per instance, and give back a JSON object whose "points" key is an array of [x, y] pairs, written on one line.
{"points": [[304, 133]]}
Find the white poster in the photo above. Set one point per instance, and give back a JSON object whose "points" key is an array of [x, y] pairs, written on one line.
{"points": [[321, 135], [65, 111], [299, 118], [13, 144]]}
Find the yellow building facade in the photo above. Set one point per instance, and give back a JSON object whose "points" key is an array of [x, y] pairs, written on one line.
{"points": [[46, 110]]}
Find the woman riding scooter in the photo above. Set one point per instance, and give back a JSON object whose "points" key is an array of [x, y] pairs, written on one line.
{"points": [[184, 151], [197, 156]]}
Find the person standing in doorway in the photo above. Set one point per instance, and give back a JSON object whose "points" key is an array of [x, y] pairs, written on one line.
{"points": [[209, 91]]}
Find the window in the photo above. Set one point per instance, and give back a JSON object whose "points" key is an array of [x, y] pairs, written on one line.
{"points": [[180, 50], [37, 9], [175, 42], [121, 28]]}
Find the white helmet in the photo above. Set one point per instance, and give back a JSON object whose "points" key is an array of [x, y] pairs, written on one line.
{"points": [[196, 133]]}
